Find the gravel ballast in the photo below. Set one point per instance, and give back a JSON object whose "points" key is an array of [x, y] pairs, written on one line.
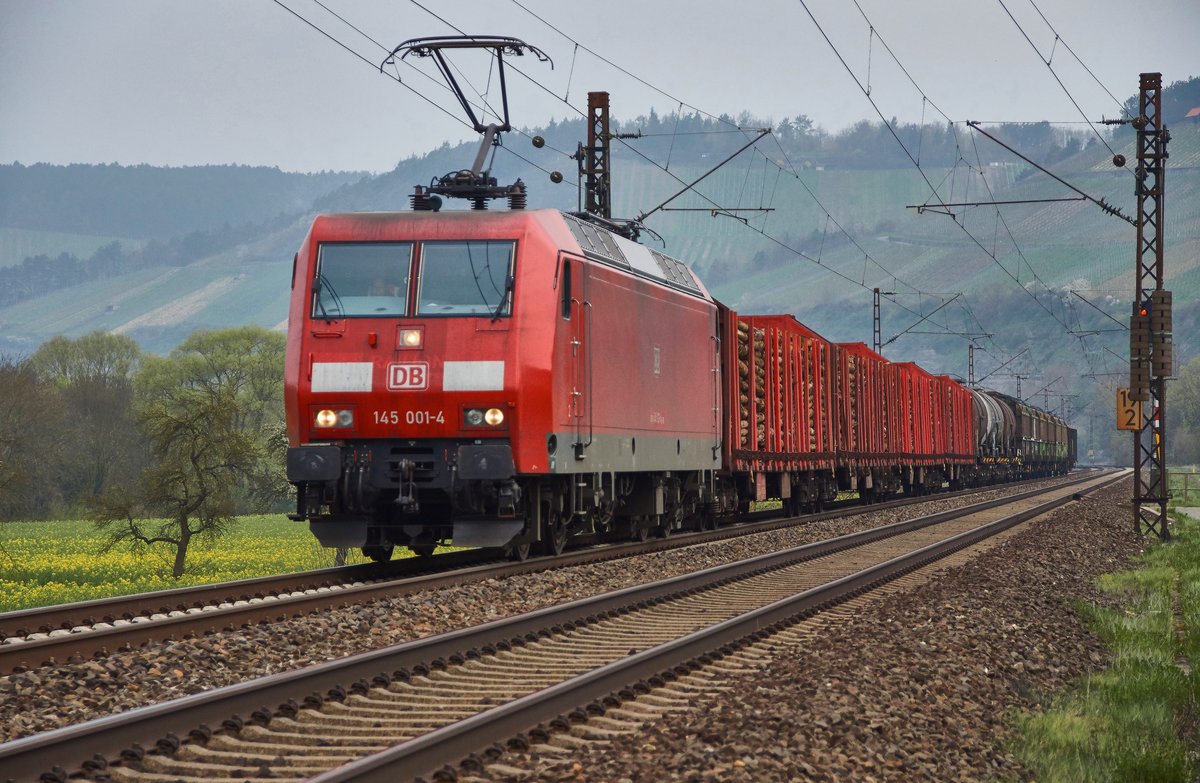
{"points": [[920, 686], [47, 698]]}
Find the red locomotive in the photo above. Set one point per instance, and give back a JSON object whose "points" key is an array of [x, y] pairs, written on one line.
{"points": [[495, 378], [514, 378]]}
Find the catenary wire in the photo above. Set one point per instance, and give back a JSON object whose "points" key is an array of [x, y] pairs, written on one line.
{"points": [[682, 103], [760, 231], [899, 141], [1054, 73]]}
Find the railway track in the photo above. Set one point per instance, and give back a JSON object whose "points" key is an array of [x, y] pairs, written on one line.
{"points": [[403, 711], [85, 630]]}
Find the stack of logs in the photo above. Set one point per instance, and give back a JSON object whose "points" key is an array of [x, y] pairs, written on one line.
{"points": [[810, 402], [758, 389], [852, 382], [781, 377]]}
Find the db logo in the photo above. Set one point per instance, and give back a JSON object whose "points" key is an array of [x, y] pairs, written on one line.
{"points": [[408, 376]]}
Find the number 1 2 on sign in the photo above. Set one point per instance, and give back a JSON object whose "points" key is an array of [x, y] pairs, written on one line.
{"points": [[1129, 412]]}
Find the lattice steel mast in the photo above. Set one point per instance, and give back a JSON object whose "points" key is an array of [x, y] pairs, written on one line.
{"points": [[1150, 324]]}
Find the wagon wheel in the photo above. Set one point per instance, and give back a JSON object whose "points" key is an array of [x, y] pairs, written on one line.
{"points": [[380, 553], [641, 531]]}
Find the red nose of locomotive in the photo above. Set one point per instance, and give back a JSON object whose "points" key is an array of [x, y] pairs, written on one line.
{"points": [[403, 403]]}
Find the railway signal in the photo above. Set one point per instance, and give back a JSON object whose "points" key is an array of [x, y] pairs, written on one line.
{"points": [[1139, 352], [1150, 325]]}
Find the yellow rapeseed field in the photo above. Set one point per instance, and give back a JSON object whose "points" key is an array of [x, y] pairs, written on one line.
{"points": [[54, 562]]}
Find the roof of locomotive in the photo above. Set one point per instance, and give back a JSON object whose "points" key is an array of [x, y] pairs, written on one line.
{"points": [[600, 244], [585, 238]]}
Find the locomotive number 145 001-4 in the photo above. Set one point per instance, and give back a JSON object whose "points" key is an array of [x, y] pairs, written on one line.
{"points": [[409, 417]]}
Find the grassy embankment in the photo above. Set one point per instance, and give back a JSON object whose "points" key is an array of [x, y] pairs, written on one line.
{"points": [[1138, 719], [44, 563]]}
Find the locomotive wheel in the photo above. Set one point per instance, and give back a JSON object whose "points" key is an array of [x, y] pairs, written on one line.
{"points": [[556, 534], [519, 552], [422, 550], [380, 553]]}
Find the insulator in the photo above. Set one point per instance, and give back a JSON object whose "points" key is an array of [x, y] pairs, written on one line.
{"points": [[479, 203], [419, 200], [517, 197]]}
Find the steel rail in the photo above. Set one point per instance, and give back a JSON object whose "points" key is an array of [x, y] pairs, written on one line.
{"points": [[91, 643], [428, 753], [258, 700], [66, 616]]}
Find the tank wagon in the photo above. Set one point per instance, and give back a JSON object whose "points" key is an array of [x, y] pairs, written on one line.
{"points": [[511, 379]]}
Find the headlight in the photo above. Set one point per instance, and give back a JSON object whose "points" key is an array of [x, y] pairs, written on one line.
{"points": [[410, 338], [332, 418], [479, 417]]}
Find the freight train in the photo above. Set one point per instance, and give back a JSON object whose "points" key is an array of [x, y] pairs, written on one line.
{"points": [[513, 379]]}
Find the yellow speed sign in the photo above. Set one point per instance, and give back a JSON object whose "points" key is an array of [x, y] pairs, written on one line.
{"points": [[1129, 412]]}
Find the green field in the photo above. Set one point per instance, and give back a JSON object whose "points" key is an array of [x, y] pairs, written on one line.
{"points": [[1184, 486], [44, 563], [17, 244]]}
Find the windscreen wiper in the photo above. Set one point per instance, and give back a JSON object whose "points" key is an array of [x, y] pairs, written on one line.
{"points": [[508, 287]]}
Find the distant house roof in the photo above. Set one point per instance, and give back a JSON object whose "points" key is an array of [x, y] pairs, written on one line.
{"points": [[1193, 113]]}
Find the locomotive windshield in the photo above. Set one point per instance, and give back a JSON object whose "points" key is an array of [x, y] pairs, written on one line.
{"points": [[362, 279], [465, 278]]}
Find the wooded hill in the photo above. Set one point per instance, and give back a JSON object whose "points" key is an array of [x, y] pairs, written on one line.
{"points": [[158, 253]]}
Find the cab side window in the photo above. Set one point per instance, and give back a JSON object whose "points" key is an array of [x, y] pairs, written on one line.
{"points": [[565, 286]]}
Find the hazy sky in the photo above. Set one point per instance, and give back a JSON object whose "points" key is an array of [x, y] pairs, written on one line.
{"points": [[168, 82]]}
